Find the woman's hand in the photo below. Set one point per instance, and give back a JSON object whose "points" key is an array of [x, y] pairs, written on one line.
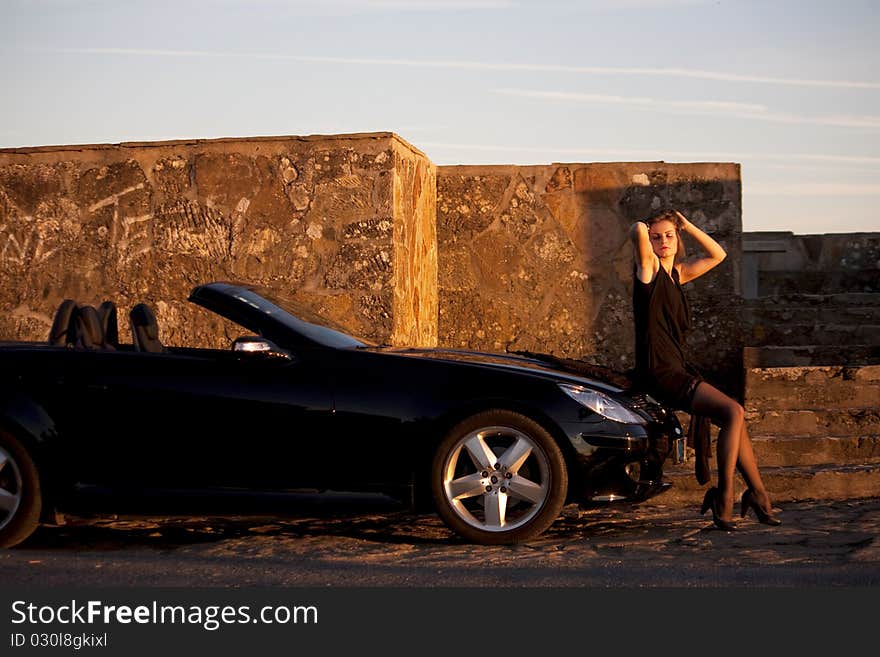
{"points": [[688, 271], [685, 224]]}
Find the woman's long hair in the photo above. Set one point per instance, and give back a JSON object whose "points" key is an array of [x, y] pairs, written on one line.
{"points": [[670, 215]]}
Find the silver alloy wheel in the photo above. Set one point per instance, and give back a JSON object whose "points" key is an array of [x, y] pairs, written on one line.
{"points": [[10, 488], [496, 478]]}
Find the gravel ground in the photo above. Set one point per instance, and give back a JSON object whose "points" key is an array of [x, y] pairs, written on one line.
{"points": [[338, 543]]}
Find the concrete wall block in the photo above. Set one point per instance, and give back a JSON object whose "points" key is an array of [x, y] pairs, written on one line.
{"points": [[817, 450], [868, 334], [856, 251], [795, 281], [787, 484], [315, 218], [416, 256], [812, 334], [850, 315], [366, 228], [811, 355], [843, 484], [852, 422], [790, 388], [781, 316], [553, 244], [867, 375], [467, 202], [493, 328]]}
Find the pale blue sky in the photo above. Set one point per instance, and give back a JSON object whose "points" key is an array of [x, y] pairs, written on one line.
{"points": [[789, 89]]}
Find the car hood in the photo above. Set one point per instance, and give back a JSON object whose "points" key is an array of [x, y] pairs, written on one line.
{"points": [[568, 370], [255, 310]]}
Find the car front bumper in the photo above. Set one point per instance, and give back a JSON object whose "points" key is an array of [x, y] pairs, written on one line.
{"points": [[623, 467]]}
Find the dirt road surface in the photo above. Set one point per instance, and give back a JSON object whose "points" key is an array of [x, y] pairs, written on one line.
{"points": [[339, 543]]}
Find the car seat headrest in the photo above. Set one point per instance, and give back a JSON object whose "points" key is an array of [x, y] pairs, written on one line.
{"points": [[63, 327], [88, 329], [109, 325], [145, 329]]}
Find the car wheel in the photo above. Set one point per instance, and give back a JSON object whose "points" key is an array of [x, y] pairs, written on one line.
{"points": [[20, 494], [498, 477]]}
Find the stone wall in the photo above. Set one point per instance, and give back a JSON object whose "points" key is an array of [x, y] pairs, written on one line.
{"points": [[779, 263], [415, 303], [337, 222], [366, 230], [812, 299], [537, 258]]}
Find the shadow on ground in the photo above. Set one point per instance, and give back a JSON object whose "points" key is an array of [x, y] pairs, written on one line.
{"points": [[376, 519]]}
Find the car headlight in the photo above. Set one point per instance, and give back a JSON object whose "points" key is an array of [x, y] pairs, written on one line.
{"points": [[602, 404]]}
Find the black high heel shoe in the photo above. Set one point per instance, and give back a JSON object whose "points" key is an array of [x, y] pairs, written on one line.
{"points": [[749, 501], [710, 501]]}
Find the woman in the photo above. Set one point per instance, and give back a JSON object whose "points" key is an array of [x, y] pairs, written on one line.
{"points": [[662, 319]]}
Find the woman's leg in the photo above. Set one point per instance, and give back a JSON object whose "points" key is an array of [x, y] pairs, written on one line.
{"points": [[748, 468], [728, 415]]}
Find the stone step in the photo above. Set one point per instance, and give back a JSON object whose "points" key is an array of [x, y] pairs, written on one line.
{"points": [[774, 451], [794, 299], [785, 484], [812, 314], [827, 278], [815, 422], [791, 334], [813, 387], [849, 354]]}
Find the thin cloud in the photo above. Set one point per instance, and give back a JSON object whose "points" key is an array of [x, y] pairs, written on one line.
{"points": [[381, 5], [408, 5], [441, 5], [618, 5], [351, 6], [701, 108], [687, 106], [487, 66]]}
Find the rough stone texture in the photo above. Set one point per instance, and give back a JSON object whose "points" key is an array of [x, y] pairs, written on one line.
{"points": [[780, 263], [800, 388], [782, 451], [537, 258], [336, 222], [840, 320], [415, 249], [798, 356], [818, 424], [786, 484], [815, 422]]}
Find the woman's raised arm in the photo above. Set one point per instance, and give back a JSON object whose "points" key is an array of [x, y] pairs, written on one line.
{"points": [[643, 252], [692, 269]]}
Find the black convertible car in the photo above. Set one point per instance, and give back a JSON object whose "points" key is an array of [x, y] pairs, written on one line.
{"points": [[498, 443]]}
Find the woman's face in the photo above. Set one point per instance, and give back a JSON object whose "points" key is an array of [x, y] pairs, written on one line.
{"points": [[664, 239]]}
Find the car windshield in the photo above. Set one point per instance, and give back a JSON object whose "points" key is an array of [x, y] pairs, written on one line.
{"points": [[300, 318]]}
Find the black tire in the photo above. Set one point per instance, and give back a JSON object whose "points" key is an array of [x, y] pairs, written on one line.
{"points": [[511, 503], [21, 499]]}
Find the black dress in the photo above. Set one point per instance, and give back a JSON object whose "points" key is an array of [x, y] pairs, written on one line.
{"points": [[662, 318]]}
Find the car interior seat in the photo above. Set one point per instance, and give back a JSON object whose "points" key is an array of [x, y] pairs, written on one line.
{"points": [[63, 326], [88, 329], [109, 325], [145, 329]]}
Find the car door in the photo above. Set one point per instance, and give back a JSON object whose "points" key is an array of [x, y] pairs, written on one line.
{"points": [[385, 410], [201, 419], [68, 385]]}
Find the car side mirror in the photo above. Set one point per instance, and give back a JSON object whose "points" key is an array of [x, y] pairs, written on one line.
{"points": [[261, 348]]}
